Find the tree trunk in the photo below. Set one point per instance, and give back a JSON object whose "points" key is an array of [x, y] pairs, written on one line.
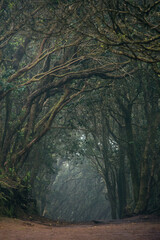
{"points": [[108, 172], [147, 167], [121, 183], [113, 203], [127, 112], [132, 156]]}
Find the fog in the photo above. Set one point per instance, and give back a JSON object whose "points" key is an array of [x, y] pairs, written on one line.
{"points": [[76, 193]]}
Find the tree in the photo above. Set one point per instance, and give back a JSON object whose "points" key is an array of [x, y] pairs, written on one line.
{"points": [[122, 27], [115, 128], [56, 74]]}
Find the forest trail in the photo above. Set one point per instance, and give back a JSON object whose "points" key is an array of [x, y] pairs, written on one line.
{"points": [[15, 229]]}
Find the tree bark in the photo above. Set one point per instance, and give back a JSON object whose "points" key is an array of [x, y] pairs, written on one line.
{"points": [[127, 111], [147, 167], [121, 183]]}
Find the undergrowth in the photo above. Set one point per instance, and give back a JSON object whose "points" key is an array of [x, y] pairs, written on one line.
{"points": [[14, 196]]}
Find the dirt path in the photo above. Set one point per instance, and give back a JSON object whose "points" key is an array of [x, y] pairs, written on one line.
{"points": [[15, 229]]}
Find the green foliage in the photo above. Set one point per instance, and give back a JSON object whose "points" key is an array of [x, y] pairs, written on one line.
{"points": [[14, 194], [4, 85], [11, 5], [26, 180]]}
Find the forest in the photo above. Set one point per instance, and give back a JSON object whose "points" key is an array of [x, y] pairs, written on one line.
{"points": [[79, 108]]}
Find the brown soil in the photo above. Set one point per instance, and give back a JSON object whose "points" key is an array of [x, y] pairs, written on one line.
{"points": [[136, 228]]}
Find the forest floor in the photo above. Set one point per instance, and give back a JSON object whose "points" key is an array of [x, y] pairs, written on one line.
{"points": [[135, 228]]}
